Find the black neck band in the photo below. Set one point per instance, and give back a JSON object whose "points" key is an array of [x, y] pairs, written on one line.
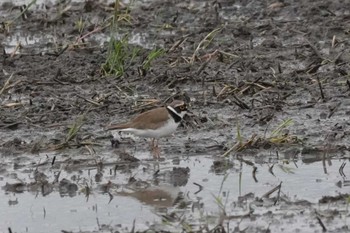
{"points": [[176, 117]]}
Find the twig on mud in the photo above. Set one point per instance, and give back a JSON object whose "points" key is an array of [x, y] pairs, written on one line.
{"points": [[270, 169], [278, 194], [267, 195], [312, 68], [315, 50], [18, 46], [254, 174], [133, 226], [320, 86], [98, 223], [9, 105], [87, 144], [280, 127], [341, 169], [228, 89], [219, 227], [337, 58], [23, 11], [276, 137], [57, 177], [59, 14], [240, 146], [334, 40], [53, 160], [231, 149], [10, 126], [224, 90], [324, 229], [239, 102], [62, 50], [75, 128], [248, 143], [88, 100], [279, 68], [333, 110], [249, 163], [207, 39], [178, 43], [7, 84], [145, 104], [72, 133], [90, 149], [110, 197], [98, 29], [123, 92], [348, 84], [250, 85], [59, 73], [202, 67], [199, 186], [219, 55]]}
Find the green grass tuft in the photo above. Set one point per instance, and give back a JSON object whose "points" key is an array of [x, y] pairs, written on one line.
{"points": [[74, 129], [154, 54], [120, 56]]}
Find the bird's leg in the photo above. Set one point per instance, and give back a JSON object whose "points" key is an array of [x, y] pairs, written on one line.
{"points": [[152, 144], [155, 149]]}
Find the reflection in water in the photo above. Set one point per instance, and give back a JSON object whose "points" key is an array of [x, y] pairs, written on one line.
{"points": [[66, 187], [139, 192], [159, 196]]}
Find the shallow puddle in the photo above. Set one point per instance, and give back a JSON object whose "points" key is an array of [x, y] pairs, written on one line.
{"points": [[154, 191]]}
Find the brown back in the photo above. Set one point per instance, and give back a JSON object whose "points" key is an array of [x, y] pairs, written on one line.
{"points": [[151, 119]]}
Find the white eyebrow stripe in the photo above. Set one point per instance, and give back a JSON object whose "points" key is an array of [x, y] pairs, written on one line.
{"points": [[173, 110]]}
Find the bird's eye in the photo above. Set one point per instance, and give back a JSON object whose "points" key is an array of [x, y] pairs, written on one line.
{"points": [[182, 107]]}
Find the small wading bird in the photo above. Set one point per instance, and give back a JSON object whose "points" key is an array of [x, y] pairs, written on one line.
{"points": [[155, 123]]}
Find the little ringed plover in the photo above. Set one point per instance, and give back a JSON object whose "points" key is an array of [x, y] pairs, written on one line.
{"points": [[155, 123]]}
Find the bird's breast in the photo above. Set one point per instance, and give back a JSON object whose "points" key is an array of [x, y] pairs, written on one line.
{"points": [[166, 129]]}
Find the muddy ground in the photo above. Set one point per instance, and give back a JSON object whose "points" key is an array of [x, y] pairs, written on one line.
{"points": [[268, 83]]}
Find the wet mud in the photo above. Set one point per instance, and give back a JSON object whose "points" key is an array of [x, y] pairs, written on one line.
{"points": [[265, 150]]}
